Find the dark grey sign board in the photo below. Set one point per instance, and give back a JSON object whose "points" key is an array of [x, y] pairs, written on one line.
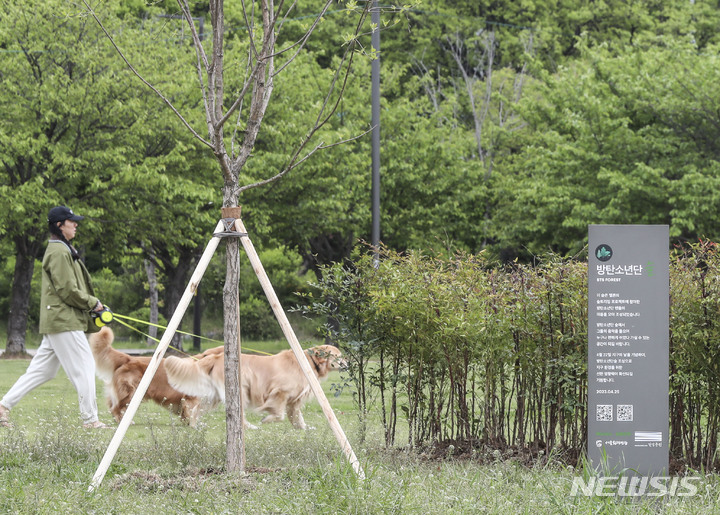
{"points": [[628, 349]]}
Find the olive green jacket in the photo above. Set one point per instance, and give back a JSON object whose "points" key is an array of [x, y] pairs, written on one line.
{"points": [[67, 294]]}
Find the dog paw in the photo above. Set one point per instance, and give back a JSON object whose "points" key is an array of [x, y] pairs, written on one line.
{"points": [[251, 426]]}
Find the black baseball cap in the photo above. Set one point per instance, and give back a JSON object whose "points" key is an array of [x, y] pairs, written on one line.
{"points": [[62, 213]]}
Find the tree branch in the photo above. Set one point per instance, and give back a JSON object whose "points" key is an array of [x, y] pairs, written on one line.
{"points": [[304, 39], [297, 163], [132, 69], [202, 62], [320, 121], [264, 55]]}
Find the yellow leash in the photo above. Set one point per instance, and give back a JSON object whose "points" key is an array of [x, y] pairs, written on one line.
{"points": [[118, 317]]}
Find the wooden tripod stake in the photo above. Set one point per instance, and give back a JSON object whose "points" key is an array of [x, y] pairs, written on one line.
{"points": [[175, 323], [297, 350]]}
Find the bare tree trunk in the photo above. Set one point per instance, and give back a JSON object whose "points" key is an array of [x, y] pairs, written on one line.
{"points": [[177, 280], [476, 65], [19, 304], [472, 74], [235, 437], [151, 273]]}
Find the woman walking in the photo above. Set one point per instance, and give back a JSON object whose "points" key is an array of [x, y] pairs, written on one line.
{"points": [[66, 302]]}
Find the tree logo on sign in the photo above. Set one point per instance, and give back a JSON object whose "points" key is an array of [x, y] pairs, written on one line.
{"points": [[603, 252]]}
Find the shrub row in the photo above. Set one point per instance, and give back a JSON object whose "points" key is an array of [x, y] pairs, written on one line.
{"points": [[463, 349]]}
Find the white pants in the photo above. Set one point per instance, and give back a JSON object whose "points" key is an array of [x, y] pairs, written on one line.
{"points": [[70, 350]]}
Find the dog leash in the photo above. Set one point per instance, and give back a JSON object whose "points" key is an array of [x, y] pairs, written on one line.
{"points": [[152, 338], [119, 318]]}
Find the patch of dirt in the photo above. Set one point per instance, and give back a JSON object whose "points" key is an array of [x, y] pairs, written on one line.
{"points": [[530, 456], [248, 470], [15, 355], [187, 480], [261, 470], [678, 467], [476, 450]]}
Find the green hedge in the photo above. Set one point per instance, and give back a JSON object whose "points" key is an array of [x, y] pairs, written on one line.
{"points": [[462, 349]]}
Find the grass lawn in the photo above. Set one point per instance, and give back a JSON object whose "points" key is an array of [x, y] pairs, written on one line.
{"points": [[47, 462]]}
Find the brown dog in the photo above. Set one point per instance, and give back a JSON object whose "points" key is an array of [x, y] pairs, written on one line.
{"points": [[273, 384], [122, 374]]}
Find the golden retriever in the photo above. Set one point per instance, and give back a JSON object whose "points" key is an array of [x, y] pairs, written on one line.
{"points": [[122, 374], [272, 384]]}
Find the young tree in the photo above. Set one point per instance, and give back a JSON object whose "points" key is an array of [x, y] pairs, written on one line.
{"points": [[234, 106]]}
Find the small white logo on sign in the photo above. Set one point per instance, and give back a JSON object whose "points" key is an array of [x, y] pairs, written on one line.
{"points": [[648, 436]]}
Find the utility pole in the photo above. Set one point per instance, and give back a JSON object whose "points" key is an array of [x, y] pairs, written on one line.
{"points": [[375, 76]]}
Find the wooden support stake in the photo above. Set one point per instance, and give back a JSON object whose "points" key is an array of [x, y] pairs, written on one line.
{"points": [[155, 360], [297, 349], [175, 323]]}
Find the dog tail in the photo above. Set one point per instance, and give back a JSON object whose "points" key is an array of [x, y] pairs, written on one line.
{"points": [[102, 339], [190, 376], [107, 359]]}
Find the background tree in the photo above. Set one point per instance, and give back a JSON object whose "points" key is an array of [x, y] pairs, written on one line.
{"points": [[616, 139], [82, 135], [63, 132], [319, 211], [432, 188], [434, 192]]}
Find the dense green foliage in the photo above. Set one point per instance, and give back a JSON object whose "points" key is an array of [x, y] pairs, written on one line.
{"points": [[628, 138], [468, 352], [505, 126]]}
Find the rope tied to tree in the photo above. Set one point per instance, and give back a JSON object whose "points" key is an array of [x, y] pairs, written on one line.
{"points": [[229, 232]]}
